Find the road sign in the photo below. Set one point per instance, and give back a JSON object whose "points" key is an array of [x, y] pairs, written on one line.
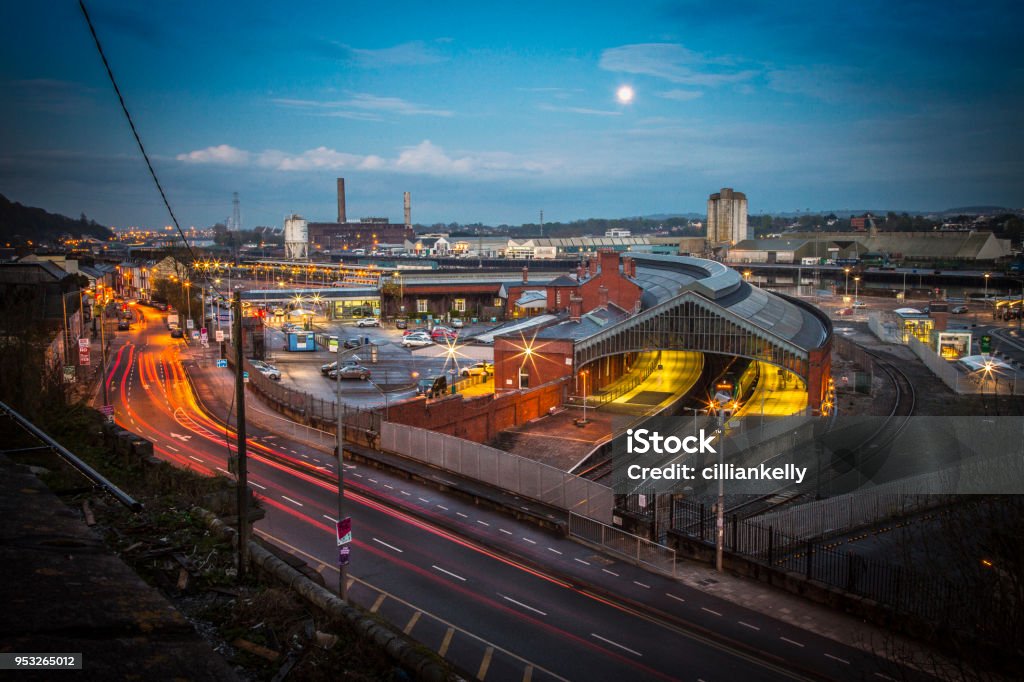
{"points": [[204, 335], [83, 344], [219, 335], [222, 363], [343, 529], [190, 323], [69, 374], [107, 410], [986, 344], [245, 377], [344, 555]]}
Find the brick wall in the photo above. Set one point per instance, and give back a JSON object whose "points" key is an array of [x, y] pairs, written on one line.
{"points": [[479, 418]]}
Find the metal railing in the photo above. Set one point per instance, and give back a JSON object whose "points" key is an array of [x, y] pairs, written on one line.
{"points": [[633, 547]]}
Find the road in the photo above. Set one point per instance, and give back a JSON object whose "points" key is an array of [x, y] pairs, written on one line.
{"points": [[499, 598]]}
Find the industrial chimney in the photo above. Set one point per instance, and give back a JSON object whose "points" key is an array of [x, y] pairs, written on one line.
{"points": [[408, 210], [341, 200]]}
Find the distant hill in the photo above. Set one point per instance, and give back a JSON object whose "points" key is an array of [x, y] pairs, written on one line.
{"points": [[977, 210], [20, 223]]}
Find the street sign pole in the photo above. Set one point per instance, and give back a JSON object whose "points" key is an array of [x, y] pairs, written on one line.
{"points": [[242, 483], [343, 556]]}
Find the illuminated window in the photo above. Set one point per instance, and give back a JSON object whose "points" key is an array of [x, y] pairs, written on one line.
{"points": [[497, 302], [558, 297], [460, 305], [421, 305]]}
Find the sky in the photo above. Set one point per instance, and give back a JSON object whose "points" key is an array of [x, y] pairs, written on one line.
{"points": [[494, 112]]}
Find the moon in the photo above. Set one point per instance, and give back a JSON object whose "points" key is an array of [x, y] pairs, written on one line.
{"points": [[624, 94]]}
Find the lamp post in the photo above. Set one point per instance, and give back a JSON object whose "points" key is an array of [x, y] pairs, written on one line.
{"points": [[856, 289], [720, 507], [187, 285], [340, 439], [583, 375], [847, 290], [987, 275]]}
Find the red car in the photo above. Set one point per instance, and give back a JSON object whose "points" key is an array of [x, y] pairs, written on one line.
{"points": [[443, 334]]}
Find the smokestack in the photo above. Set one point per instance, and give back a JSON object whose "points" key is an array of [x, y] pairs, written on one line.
{"points": [[575, 307], [341, 200], [408, 210]]}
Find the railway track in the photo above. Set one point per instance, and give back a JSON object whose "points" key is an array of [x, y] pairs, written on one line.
{"points": [[894, 423]]}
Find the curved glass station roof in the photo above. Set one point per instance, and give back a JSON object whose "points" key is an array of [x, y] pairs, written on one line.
{"points": [[665, 277]]}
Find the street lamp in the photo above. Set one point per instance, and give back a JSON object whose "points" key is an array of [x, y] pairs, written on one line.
{"points": [[856, 289], [583, 375], [188, 297], [987, 275], [847, 291]]}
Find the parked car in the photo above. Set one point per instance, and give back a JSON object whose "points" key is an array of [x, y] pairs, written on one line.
{"points": [[959, 310], [266, 369], [857, 305], [416, 342], [324, 369], [176, 333], [432, 386], [351, 372], [484, 369], [443, 334], [401, 323], [353, 342], [844, 311], [368, 322], [457, 323]]}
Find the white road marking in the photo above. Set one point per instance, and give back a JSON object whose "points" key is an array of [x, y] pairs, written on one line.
{"points": [[224, 470], [459, 577], [635, 582], [441, 506], [525, 606], [710, 611], [506, 532], [359, 475], [330, 518], [389, 487], [261, 487], [885, 677], [554, 550], [372, 480], [792, 642], [404, 493], [608, 641], [422, 499], [836, 658], [171, 447], [672, 596], [465, 516], [482, 523], [381, 542], [295, 502], [748, 625], [532, 542], [610, 572], [585, 563], [195, 458]]}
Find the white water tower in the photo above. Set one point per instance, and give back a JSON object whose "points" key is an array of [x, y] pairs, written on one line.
{"points": [[296, 238]]}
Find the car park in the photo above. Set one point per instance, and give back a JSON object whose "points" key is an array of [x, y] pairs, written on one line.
{"points": [[484, 369], [368, 322], [353, 342], [350, 372]]}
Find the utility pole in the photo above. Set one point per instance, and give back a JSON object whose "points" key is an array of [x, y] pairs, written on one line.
{"points": [[242, 474], [339, 448]]}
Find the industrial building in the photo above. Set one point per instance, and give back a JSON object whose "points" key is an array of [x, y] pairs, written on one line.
{"points": [[925, 247], [367, 234], [727, 218]]}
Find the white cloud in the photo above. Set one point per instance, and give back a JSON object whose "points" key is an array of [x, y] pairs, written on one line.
{"points": [[362, 106], [579, 110], [223, 155], [680, 95], [672, 62], [425, 158], [415, 53]]}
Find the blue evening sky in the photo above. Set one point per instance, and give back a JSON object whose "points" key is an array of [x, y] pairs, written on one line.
{"points": [[490, 112]]}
